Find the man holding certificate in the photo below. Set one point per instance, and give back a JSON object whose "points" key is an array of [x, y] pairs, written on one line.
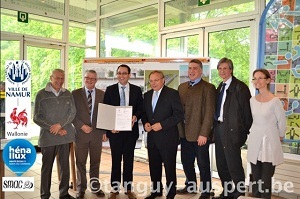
{"points": [[162, 111], [122, 143]]}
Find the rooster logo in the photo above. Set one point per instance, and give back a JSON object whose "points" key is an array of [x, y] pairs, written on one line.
{"points": [[21, 118]]}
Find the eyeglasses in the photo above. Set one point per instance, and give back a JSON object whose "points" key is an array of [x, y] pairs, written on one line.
{"points": [[154, 80], [119, 73], [258, 79], [88, 78]]}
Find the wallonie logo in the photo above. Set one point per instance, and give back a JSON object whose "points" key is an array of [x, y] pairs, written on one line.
{"points": [[19, 155]]}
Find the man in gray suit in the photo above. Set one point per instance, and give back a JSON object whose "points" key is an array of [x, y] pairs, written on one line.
{"points": [[88, 138], [198, 100]]}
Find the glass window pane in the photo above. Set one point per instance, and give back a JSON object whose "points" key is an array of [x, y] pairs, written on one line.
{"points": [[130, 34], [84, 34], [179, 12], [183, 46], [76, 55], [43, 61], [234, 44], [10, 50], [36, 26]]}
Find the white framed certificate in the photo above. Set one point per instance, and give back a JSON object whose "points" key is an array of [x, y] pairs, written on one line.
{"points": [[117, 118]]}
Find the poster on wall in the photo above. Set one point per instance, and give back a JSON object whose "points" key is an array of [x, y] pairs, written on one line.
{"points": [[279, 53], [17, 99], [174, 69]]}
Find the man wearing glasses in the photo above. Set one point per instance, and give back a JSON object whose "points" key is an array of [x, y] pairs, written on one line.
{"points": [[88, 137], [122, 143]]}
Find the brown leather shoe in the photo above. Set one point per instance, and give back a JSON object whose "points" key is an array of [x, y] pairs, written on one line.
{"points": [[130, 195], [113, 195]]}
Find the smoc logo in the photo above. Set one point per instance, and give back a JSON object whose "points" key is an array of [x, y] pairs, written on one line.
{"points": [[18, 184], [17, 71]]}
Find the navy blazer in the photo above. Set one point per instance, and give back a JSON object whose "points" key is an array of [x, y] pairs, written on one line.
{"points": [[168, 111], [112, 97]]}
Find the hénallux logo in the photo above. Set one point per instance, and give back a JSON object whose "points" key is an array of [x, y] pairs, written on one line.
{"points": [[18, 71], [19, 155], [18, 184]]}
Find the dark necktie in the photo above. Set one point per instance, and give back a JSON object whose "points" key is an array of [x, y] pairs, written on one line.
{"points": [[90, 101], [220, 101], [191, 83], [122, 97]]}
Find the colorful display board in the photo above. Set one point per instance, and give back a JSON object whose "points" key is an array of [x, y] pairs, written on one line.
{"points": [[279, 53]]}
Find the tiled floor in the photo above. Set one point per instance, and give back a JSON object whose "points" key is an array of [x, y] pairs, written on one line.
{"points": [[141, 181]]}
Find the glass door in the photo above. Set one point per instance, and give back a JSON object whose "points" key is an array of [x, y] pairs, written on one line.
{"points": [[44, 58], [232, 40], [11, 49], [237, 44]]}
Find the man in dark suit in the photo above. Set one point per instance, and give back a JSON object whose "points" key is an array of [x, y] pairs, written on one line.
{"points": [[122, 143], [88, 138], [233, 120], [198, 100], [162, 111]]}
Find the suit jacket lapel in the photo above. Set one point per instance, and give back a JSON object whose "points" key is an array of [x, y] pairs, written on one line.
{"points": [[116, 88], [131, 93], [159, 101], [83, 94]]}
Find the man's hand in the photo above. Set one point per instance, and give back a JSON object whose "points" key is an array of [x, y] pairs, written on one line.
{"points": [[114, 131], [134, 119], [104, 138], [86, 128], [156, 127], [55, 128], [62, 132], [201, 140], [147, 127]]}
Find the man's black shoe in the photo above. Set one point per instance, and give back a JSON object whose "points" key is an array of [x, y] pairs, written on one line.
{"points": [[67, 197], [204, 196], [223, 197], [80, 195], [153, 195], [186, 190], [100, 193]]}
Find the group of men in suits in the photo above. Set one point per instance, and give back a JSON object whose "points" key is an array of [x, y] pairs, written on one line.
{"points": [[222, 116], [187, 117]]}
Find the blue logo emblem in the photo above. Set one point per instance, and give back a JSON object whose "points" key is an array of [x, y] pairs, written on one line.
{"points": [[19, 155], [17, 71]]}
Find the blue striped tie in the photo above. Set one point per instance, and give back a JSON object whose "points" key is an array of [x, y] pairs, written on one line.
{"points": [[122, 97]]}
